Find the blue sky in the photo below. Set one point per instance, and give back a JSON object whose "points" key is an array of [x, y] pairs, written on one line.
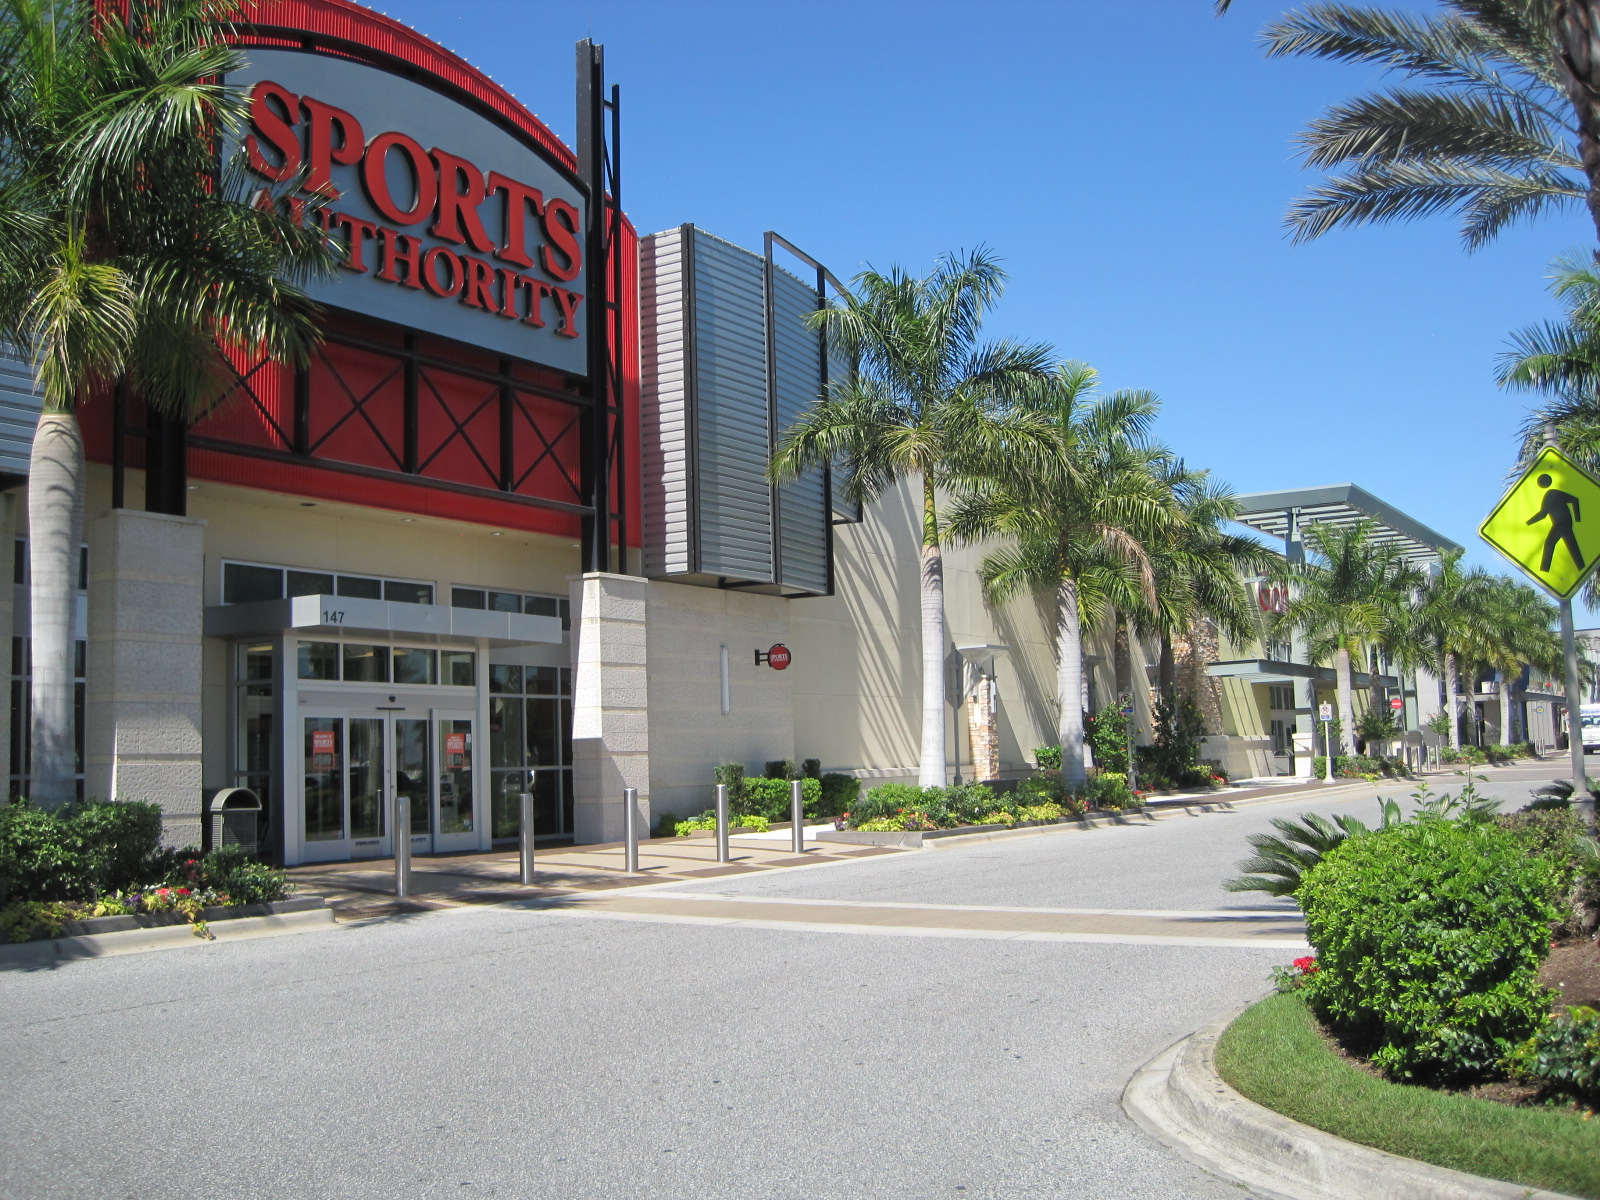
{"points": [[1131, 163]]}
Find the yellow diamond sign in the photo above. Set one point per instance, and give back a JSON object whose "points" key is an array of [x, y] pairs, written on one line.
{"points": [[1549, 523]]}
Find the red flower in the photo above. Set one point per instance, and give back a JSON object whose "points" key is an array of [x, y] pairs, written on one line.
{"points": [[183, 891], [1306, 965]]}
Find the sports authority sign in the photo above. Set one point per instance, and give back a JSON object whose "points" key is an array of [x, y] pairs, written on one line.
{"points": [[450, 223], [776, 657]]}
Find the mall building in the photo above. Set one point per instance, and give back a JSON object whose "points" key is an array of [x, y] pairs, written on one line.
{"points": [[510, 530]]}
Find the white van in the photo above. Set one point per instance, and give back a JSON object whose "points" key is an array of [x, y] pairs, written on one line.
{"points": [[1589, 718]]}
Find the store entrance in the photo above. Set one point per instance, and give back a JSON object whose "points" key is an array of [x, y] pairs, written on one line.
{"points": [[355, 758]]}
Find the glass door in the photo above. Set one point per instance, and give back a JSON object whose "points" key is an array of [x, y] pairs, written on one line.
{"points": [[456, 825], [413, 774], [345, 781]]}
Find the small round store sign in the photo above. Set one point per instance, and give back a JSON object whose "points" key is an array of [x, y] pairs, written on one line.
{"points": [[778, 657], [1396, 702]]}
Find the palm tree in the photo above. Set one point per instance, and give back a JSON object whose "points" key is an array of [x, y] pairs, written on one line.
{"points": [[1348, 598], [1449, 616], [131, 251], [1562, 359], [1496, 117], [1076, 526], [1517, 632], [928, 401], [1200, 569]]}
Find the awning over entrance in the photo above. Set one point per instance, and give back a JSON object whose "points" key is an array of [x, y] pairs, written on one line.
{"points": [[351, 614], [1284, 514], [1263, 670]]}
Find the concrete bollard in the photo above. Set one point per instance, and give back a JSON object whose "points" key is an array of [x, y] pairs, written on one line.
{"points": [[402, 846], [527, 838], [722, 823], [630, 830]]}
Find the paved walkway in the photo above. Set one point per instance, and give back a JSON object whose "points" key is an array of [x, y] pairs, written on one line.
{"points": [[360, 890]]}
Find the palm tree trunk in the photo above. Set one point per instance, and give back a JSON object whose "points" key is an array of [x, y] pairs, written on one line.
{"points": [[1452, 698], [1122, 658], [55, 533], [1167, 670], [931, 764], [1505, 707], [1347, 709], [1577, 35], [1069, 684]]}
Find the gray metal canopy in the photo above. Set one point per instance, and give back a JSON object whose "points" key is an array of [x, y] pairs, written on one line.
{"points": [[1285, 514]]}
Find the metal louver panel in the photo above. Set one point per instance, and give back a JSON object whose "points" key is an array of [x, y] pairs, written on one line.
{"points": [[20, 406], [666, 433], [728, 361], [796, 384], [732, 433]]}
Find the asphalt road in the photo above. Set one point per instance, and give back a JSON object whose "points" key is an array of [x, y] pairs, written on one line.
{"points": [[527, 1054]]}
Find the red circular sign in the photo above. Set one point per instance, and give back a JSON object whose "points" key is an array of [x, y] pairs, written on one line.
{"points": [[778, 657], [1397, 703]]}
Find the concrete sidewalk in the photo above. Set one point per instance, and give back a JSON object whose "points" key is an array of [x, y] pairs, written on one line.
{"points": [[357, 890]]}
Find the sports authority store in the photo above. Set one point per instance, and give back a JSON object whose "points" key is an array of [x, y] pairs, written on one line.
{"points": [[510, 530]]}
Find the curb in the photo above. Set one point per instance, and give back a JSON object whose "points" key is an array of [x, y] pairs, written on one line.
{"points": [[1179, 1099], [46, 952]]}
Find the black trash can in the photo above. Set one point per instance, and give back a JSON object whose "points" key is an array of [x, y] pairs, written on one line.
{"points": [[233, 818]]}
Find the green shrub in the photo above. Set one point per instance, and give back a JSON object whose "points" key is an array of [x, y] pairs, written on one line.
{"points": [[1550, 832], [1563, 1057], [1429, 937], [1109, 789], [708, 821], [886, 800], [1047, 757], [811, 768], [839, 794], [966, 803], [229, 871], [732, 776], [83, 848], [1107, 734], [781, 768], [769, 797]]}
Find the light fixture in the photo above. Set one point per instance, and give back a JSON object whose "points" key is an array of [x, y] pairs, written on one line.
{"points": [[408, 520], [497, 533], [308, 504]]}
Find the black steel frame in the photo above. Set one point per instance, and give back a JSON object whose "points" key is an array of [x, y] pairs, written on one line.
{"points": [[603, 432]]}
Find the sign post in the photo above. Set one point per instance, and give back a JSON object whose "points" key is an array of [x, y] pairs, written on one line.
{"points": [[1127, 722], [1325, 715], [1539, 525]]}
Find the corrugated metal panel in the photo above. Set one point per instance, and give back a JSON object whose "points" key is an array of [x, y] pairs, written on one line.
{"points": [[714, 396], [732, 433], [797, 383], [664, 410], [20, 405]]}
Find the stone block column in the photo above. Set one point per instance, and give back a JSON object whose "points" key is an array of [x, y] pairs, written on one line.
{"points": [[142, 716], [610, 703]]}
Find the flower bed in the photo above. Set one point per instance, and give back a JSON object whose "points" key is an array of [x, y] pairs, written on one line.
{"points": [[105, 860]]}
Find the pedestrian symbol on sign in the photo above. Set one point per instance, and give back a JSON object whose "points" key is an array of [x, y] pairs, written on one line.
{"points": [[1561, 509], [1540, 523]]}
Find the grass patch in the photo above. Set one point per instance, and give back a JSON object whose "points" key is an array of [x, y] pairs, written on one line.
{"points": [[1275, 1055]]}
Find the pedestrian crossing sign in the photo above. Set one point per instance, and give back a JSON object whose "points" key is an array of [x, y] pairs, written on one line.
{"points": [[1549, 523]]}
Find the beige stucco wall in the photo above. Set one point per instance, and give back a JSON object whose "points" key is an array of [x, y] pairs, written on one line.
{"points": [[857, 674], [689, 734]]}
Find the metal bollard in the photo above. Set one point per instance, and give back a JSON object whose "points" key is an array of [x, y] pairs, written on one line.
{"points": [[527, 838], [797, 814], [630, 830], [402, 846], [722, 823]]}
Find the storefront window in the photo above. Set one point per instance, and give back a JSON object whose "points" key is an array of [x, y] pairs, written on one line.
{"points": [[530, 747], [319, 660], [415, 666], [246, 583], [366, 664], [256, 726], [534, 605], [22, 712]]}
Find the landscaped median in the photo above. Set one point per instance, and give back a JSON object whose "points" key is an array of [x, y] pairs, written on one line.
{"points": [[1446, 1017], [1276, 1055]]}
